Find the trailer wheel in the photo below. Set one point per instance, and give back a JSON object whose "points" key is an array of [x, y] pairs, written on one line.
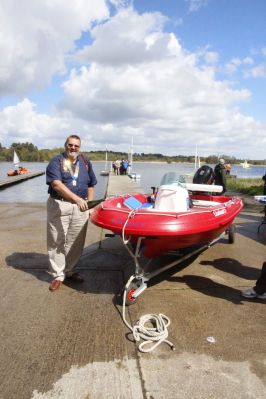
{"points": [[130, 300], [231, 233]]}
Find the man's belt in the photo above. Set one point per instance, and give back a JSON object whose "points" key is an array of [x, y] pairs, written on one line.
{"points": [[91, 204], [57, 197]]}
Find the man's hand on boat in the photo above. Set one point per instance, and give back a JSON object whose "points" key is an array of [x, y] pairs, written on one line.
{"points": [[92, 204], [82, 204]]}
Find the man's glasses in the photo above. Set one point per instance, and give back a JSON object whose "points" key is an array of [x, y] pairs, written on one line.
{"points": [[72, 145]]}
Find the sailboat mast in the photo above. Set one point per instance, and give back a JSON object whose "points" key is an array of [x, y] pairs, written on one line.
{"points": [[131, 154], [16, 160], [130, 157], [106, 157], [196, 158]]}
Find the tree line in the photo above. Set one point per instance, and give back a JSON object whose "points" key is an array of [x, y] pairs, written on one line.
{"points": [[27, 152]]}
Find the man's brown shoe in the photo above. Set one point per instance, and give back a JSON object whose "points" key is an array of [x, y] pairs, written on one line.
{"points": [[76, 277], [55, 284]]}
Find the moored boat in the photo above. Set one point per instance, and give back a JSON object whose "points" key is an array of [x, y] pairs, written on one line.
{"points": [[245, 164], [134, 176], [130, 173], [105, 172], [18, 170]]}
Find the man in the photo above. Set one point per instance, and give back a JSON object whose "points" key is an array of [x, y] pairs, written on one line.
{"points": [[71, 182], [123, 167], [259, 290], [220, 174], [228, 169], [264, 186]]}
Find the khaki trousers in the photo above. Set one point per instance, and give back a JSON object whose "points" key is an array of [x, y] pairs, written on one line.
{"points": [[66, 233]]}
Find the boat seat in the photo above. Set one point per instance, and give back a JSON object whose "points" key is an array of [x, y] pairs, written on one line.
{"points": [[172, 198]]}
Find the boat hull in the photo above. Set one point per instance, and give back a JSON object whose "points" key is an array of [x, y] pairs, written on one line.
{"points": [[164, 231]]}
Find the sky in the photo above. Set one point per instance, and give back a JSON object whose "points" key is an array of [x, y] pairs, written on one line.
{"points": [[171, 75]]}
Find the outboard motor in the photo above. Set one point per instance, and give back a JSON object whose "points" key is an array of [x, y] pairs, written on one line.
{"points": [[204, 175]]}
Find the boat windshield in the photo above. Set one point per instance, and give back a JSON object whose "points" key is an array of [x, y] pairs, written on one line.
{"points": [[173, 178]]}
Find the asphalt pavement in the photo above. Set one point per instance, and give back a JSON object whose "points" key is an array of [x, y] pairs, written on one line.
{"points": [[73, 343]]}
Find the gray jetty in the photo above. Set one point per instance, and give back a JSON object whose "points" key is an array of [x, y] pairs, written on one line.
{"points": [[10, 180]]}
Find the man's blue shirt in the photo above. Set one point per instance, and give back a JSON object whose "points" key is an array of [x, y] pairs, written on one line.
{"points": [[57, 170]]}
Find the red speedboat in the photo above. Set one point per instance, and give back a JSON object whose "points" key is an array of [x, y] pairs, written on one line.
{"points": [[176, 219]]}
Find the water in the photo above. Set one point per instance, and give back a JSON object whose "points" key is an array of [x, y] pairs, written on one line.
{"points": [[152, 173], [35, 190]]}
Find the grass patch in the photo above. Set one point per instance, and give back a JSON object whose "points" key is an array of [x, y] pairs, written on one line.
{"points": [[246, 186]]}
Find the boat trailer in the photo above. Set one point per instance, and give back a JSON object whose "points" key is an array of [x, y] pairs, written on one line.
{"points": [[137, 282]]}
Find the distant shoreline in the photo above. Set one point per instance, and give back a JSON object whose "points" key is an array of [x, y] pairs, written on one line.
{"points": [[141, 162], [183, 163]]}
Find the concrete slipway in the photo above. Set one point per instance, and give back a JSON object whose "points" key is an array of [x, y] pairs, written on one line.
{"points": [[72, 344]]}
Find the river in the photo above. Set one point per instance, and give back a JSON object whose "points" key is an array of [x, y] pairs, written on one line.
{"points": [[35, 190]]}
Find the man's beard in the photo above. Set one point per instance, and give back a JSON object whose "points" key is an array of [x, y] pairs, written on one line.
{"points": [[73, 156]]}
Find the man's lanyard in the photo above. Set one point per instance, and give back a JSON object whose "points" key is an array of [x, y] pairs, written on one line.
{"points": [[74, 173]]}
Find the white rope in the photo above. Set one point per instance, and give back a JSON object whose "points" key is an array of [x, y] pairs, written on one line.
{"points": [[152, 336], [176, 215], [150, 328], [130, 215]]}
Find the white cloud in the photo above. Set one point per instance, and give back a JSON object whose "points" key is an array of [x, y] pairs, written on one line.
{"points": [[121, 3], [246, 66], [258, 71], [211, 57], [163, 98], [232, 66], [196, 5], [22, 123], [37, 35], [159, 82], [134, 79], [128, 38], [248, 61]]}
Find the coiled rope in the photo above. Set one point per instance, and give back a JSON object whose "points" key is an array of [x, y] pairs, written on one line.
{"points": [[151, 328]]}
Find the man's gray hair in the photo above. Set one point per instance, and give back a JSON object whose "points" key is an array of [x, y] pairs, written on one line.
{"points": [[72, 136]]}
